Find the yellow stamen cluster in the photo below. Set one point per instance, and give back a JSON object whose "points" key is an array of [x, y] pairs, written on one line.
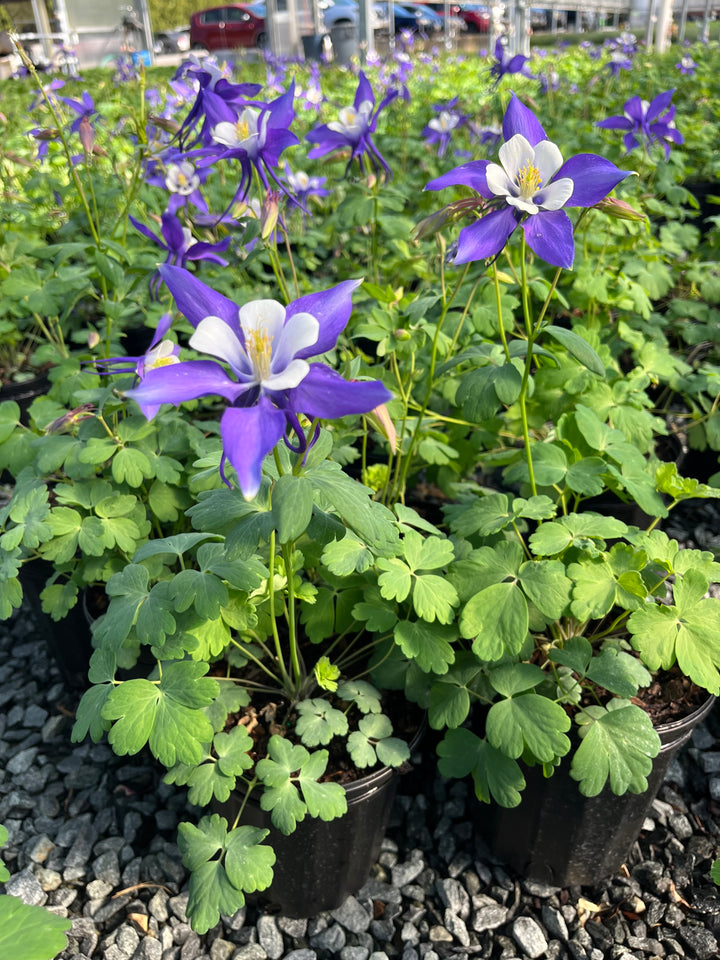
{"points": [[258, 344], [242, 128], [528, 179]]}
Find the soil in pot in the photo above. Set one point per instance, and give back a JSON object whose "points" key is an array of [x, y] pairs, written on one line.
{"points": [[321, 864], [557, 836]]}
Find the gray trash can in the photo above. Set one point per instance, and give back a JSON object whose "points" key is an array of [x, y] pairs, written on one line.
{"points": [[313, 46], [345, 42]]}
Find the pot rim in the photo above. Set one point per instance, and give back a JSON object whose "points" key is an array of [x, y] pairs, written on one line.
{"points": [[670, 731]]}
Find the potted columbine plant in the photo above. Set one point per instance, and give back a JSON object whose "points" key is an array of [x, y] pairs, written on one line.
{"points": [[261, 622], [577, 629]]}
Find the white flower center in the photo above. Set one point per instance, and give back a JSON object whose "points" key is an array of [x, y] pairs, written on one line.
{"points": [[352, 122], [524, 178]]}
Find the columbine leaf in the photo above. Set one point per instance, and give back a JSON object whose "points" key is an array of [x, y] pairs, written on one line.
{"points": [[319, 722], [575, 653], [131, 466], [362, 693], [347, 556], [510, 679], [577, 529], [496, 777], [483, 515], [618, 672], [292, 503], [203, 590], [281, 796], [324, 800], [88, 716], [248, 863], [434, 598], [449, 697], [214, 855], [166, 715], [546, 585], [687, 632], [233, 750], [395, 581], [29, 932], [497, 620], [577, 347], [29, 512], [428, 644], [618, 745], [529, 721]]}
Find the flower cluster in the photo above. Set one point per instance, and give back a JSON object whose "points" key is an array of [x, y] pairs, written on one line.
{"points": [[647, 123]]}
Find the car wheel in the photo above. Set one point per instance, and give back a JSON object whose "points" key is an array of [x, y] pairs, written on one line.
{"points": [[261, 41], [199, 47]]}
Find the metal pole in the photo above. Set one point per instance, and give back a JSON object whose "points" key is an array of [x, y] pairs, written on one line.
{"points": [[662, 36], [706, 22], [147, 29], [42, 24], [652, 20], [683, 20], [391, 23]]}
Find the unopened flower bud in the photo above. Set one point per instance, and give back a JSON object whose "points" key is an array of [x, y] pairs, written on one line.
{"points": [[453, 211], [619, 209], [86, 134], [380, 418], [269, 214], [401, 334], [93, 339], [70, 418]]}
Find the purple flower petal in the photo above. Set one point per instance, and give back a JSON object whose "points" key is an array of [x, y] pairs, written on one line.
{"points": [[325, 394], [195, 300], [616, 123], [364, 92], [661, 101], [189, 380], [248, 434], [593, 178], [470, 174], [487, 236], [332, 309], [520, 119], [634, 109], [550, 235]]}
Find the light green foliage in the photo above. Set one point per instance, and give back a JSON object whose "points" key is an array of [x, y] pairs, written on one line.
{"points": [[618, 744], [290, 775], [373, 742], [318, 722], [224, 865], [433, 597]]}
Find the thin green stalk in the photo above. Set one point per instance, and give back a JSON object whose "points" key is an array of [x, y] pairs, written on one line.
{"points": [[498, 306], [447, 302], [287, 549], [273, 621], [528, 365], [249, 789]]}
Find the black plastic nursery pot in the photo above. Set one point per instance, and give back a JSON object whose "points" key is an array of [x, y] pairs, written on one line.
{"points": [[321, 864], [559, 837]]}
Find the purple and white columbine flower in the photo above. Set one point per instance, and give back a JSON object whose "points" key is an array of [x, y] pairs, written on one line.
{"points": [[504, 63], [440, 128], [179, 244], [266, 347], [353, 129], [647, 123], [529, 188], [160, 353], [686, 65]]}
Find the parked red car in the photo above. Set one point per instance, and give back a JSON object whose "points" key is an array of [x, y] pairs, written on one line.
{"points": [[234, 25], [476, 16]]}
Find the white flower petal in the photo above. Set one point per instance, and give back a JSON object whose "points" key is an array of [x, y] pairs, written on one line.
{"points": [[527, 206], [548, 159], [301, 330], [499, 182], [290, 377], [555, 195], [515, 154], [225, 133], [266, 315], [212, 335]]}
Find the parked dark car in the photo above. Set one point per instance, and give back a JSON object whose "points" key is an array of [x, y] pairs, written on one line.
{"points": [[415, 18], [234, 25]]}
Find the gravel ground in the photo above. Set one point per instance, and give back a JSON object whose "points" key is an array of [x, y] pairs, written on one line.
{"points": [[92, 836]]}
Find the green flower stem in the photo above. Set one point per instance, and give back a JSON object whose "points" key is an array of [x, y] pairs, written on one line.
{"points": [[273, 621], [498, 305], [291, 259], [250, 787], [404, 466], [30, 67], [287, 549], [522, 399], [256, 660], [374, 233], [55, 337]]}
